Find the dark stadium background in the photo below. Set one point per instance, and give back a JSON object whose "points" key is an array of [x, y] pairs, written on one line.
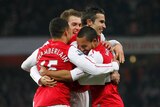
{"points": [[135, 23]]}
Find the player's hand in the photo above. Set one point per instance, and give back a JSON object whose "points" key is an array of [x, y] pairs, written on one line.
{"points": [[115, 77], [47, 81], [43, 71], [119, 53], [107, 45]]}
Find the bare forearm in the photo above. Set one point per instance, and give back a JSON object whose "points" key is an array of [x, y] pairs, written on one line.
{"points": [[63, 75]]}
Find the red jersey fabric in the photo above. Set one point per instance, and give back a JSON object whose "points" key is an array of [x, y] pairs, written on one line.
{"points": [[105, 95], [53, 56], [73, 38]]}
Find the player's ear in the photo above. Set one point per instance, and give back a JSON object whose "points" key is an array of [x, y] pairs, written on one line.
{"points": [[89, 22], [65, 33], [94, 42]]}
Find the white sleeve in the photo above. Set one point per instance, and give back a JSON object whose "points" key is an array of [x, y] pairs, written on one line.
{"points": [[77, 73], [102, 37], [114, 42], [88, 64], [96, 55], [74, 43], [30, 61], [34, 73], [95, 79]]}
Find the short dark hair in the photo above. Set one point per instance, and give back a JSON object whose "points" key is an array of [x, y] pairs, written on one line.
{"points": [[57, 27], [90, 13], [88, 32], [70, 12]]}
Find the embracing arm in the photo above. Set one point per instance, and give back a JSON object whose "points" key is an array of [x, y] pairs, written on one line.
{"points": [[41, 80], [30, 61], [88, 65], [34, 73], [60, 75], [63, 75], [117, 48]]}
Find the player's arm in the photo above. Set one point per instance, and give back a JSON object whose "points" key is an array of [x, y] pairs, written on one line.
{"points": [[63, 75], [118, 49], [88, 65], [60, 75], [30, 61], [30, 65], [41, 80]]}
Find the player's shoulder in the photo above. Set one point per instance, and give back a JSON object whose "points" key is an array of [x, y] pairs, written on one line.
{"points": [[96, 55], [75, 51], [102, 37], [93, 52], [100, 47]]}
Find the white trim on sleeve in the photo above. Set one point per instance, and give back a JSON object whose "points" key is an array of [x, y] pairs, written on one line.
{"points": [[76, 73], [34, 73], [88, 64]]}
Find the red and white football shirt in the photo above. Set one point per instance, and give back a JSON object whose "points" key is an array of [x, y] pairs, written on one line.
{"points": [[53, 55]]}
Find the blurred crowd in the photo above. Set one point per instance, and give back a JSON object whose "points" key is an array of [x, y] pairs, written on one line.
{"points": [[124, 17], [139, 86], [17, 88]]}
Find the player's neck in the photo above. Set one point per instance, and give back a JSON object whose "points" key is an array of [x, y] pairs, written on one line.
{"points": [[96, 44], [62, 39], [59, 39]]}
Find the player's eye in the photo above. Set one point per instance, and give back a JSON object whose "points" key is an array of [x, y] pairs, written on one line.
{"points": [[102, 21]]}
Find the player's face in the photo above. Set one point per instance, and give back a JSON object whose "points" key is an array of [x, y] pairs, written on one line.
{"points": [[99, 23], [75, 24], [84, 45]]}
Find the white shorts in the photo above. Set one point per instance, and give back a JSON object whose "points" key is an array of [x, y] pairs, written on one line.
{"points": [[80, 99]]}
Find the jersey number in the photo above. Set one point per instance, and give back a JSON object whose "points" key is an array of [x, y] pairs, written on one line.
{"points": [[50, 64]]}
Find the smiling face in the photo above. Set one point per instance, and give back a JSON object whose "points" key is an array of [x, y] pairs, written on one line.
{"points": [[74, 24], [99, 23], [84, 45], [87, 39]]}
